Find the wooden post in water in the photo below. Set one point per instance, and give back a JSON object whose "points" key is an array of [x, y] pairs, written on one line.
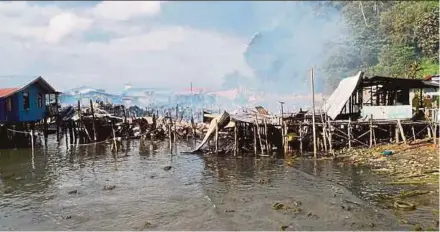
{"points": [[32, 147], [259, 135], [70, 128], [216, 136], [125, 114], [93, 121], [255, 139], [114, 137], [235, 139], [267, 137], [300, 138], [330, 136], [285, 141], [57, 120], [349, 133], [80, 124], [324, 133], [45, 132], [371, 131], [283, 133], [313, 112]]}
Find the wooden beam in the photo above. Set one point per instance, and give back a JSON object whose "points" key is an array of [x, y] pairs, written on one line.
{"points": [[401, 131]]}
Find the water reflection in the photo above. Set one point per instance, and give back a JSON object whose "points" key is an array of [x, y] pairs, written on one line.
{"points": [[66, 190]]}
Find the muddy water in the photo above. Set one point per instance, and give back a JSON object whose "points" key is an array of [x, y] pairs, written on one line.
{"points": [[197, 193]]}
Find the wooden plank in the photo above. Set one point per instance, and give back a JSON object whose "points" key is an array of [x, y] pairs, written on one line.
{"points": [[401, 131]]}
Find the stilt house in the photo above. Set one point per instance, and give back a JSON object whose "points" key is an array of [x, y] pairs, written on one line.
{"points": [[31, 102]]}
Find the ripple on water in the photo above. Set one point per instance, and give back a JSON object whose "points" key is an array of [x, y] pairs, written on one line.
{"points": [[197, 193]]}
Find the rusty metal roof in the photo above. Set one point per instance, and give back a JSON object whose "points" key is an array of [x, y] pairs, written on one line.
{"points": [[7, 91], [43, 83]]}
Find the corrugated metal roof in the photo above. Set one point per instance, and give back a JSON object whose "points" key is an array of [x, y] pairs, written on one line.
{"points": [[340, 96], [43, 83], [7, 91]]}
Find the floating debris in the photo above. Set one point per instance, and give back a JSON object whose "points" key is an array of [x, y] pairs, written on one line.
{"points": [[109, 187], [406, 194], [404, 205], [73, 192], [278, 206], [167, 168]]}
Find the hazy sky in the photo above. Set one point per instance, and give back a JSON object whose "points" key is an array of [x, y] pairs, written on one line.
{"points": [[105, 44], [162, 44]]}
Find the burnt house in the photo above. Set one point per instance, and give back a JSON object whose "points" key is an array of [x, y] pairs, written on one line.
{"points": [[361, 97]]}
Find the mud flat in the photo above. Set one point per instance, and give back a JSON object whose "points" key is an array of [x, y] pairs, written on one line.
{"points": [[410, 186]]}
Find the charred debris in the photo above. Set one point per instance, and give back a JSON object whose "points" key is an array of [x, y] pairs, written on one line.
{"points": [[361, 112]]}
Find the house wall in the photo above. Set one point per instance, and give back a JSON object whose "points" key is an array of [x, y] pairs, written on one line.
{"points": [[11, 116], [35, 113], [387, 112]]}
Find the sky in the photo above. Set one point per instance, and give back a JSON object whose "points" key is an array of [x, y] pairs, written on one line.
{"points": [[144, 43]]}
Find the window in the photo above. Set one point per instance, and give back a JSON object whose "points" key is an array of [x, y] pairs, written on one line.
{"points": [[26, 102], [9, 104], [40, 100]]}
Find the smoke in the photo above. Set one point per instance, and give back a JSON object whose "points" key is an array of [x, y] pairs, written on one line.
{"points": [[295, 38]]}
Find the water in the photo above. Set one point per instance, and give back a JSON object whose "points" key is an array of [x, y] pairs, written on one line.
{"points": [[198, 193]]}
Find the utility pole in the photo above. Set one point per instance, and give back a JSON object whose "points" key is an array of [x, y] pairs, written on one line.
{"points": [[313, 112]]}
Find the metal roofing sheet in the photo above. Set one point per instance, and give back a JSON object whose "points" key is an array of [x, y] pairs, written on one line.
{"points": [[7, 91], [340, 96]]}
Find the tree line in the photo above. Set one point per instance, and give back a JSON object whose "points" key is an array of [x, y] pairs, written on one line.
{"points": [[388, 38]]}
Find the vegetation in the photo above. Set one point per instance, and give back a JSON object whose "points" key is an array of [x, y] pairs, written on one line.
{"points": [[389, 38]]}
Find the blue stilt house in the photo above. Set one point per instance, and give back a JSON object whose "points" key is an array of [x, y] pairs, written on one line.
{"points": [[29, 103]]}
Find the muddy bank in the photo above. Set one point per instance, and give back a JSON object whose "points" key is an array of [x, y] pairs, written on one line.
{"points": [[410, 179]]}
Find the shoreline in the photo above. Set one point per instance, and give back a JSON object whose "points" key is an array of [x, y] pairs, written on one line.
{"points": [[413, 174]]}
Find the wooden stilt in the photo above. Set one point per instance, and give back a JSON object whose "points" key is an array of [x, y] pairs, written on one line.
{"points": [[258, 133], [300, 138], [330, 137], [235, 139], [32, 147], [286, 143], [374, 136], [371, 131], [429, 131], [216, 136], [396, 133], [349, 133], [413, 133], [93, 121], [114, 137], [401, 131], [255, 140], [266, 136], [324, 133], [313, 113]]}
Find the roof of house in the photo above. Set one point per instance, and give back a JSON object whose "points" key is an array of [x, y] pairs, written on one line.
{"points": [[335, 103], [46, 86], [430, 77], [397, 83], [7, 91]]}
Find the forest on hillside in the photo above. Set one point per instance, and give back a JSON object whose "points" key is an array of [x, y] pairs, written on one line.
{"points": [[388, 38]]}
